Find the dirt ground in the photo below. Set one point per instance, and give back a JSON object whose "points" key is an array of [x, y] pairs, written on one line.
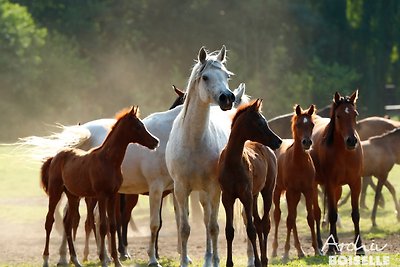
{"points": [[23, 241]]}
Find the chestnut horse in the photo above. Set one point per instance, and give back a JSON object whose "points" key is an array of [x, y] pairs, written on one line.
{"points": [[296, 176], [95, 173], [247, 167], [338, 160]]}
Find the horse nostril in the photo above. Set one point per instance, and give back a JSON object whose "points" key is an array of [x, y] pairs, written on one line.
{"points": [[307, 142], [222, 98]]}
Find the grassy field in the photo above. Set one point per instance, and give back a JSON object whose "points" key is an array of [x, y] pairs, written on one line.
{"points": [[23, 203]]}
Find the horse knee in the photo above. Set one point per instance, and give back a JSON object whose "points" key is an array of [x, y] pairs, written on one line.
{"points": [[355, 216], [185, 230], [229, 233], [251, 231], [333, 216], [214, 229]]}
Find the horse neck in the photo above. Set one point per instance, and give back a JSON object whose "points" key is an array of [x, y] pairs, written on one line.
{"points": [[114, 146], [234, 147], [195, 117]]}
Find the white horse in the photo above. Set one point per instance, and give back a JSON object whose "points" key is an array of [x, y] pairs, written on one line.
{"points": [[198, 135], [142, 171]]}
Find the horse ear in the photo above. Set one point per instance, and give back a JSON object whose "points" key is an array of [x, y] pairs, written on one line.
{"points": [[354, 96], [222, 54], [311, 110], [178, 91], [202, 55], [337, 97], [298, 110]]}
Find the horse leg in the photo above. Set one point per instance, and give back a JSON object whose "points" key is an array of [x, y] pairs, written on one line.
{"points": [[155, 197], [182, 194], [309, 195], [317, 215], [332, 215], [89, 225], [277, 218], [111, 208], [247, 200], [266, 222], [54, 198], [73, 209], [228, 202], [130, 202], [214, 200], [393, 193], [258, 223], [381, 181], [365, 182], [102, 204], [63, 261], [292, 199], [355, 215], [205, 203]]}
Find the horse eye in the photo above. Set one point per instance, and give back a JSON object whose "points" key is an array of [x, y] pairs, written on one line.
{"points": [[205, 77]]}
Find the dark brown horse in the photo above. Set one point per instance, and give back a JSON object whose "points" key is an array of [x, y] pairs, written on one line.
{"points": [[338, 160], [95, 173], [247, 167], [296, 176]]}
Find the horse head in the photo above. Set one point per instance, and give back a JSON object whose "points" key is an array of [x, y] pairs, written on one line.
{"points": [[134, 130], [343, 118], [212, 78], [254, 126], [303, 125]]}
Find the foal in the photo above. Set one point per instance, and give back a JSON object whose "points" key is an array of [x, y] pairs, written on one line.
{"points": [[96, 173], [246, 168], [296, 174]]}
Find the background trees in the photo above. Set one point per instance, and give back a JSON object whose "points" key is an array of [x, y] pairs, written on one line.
{"points": [[76, 60]]}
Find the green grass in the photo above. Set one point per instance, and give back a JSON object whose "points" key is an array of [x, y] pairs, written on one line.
{"points": [[22, 201]]}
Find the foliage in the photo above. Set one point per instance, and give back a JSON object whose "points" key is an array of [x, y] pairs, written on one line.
{"points": [[99, 56]]}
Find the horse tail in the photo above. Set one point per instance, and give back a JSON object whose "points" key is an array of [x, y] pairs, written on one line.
{"points": [[45, 175], [40, 148]]}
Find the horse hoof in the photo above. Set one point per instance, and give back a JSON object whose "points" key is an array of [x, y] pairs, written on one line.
{"points": [[374, 225], [124, 257], [360, 252], [154, 264], [318, 252], [285, 258], [301, 255]]}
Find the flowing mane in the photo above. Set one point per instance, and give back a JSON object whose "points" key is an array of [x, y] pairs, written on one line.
{"points": [[330, 128]]}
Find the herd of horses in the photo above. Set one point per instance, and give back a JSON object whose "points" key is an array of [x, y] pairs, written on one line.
{"points": [[218, 143]]}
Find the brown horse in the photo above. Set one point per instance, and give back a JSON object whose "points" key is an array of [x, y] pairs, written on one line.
{"points": [[247, 167], [380, 155], [338, 160], [281, 125], [296, 176], [95, 173]]}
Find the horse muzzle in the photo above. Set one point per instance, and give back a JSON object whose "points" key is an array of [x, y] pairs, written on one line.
{"points": [[351, 142], [226, 100], [306, 143]]}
